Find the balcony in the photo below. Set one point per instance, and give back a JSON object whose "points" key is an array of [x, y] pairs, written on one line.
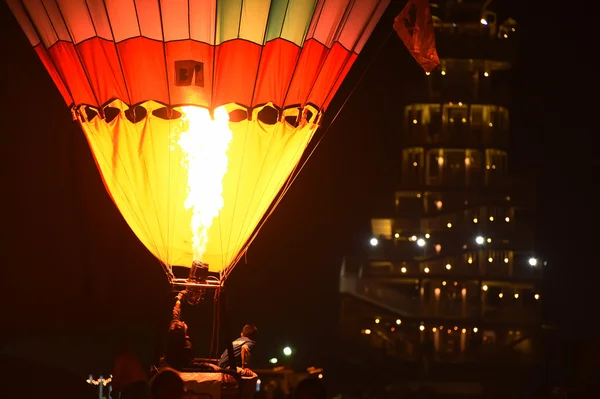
{"points": [[452, 136], [439, 307], [517, 271], [475, 41]]}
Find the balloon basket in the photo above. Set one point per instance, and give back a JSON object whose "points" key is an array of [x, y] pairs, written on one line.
{"points": [[205, 379]]}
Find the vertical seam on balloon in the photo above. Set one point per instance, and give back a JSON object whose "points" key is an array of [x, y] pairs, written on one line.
{"points": [[189, 13], [164, 46], [214, 57], [41, 43], [287, 7], [241, 15], [137, 18], [351, 52], [114, 40], [87, 6], [337, 34], [83, 68], [300, 48]]}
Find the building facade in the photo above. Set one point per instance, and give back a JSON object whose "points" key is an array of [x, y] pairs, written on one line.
{"points": [[453, 274]]}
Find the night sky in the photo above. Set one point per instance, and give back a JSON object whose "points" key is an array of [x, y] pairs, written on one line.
{"points": [[73, 268]]}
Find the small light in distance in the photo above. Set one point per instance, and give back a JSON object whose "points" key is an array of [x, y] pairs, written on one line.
{"points": [[421, 242], [273, 360], [479, 240], [374, 241], [288, 351], [533, 261], [320, 376], [398, 321]]}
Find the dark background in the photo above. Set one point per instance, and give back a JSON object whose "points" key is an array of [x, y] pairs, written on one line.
{"points": [[75, 280]]}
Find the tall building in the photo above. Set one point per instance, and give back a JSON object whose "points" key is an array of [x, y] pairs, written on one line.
{"points": [[453, 272]]}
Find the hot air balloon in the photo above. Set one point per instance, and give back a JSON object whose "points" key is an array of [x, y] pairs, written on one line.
{"points": [[197, 111]]}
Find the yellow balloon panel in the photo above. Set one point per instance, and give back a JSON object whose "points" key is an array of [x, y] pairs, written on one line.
{"points": [[146, 170]]}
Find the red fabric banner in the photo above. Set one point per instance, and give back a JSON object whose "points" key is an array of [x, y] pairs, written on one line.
{"points": [[415, 27]]}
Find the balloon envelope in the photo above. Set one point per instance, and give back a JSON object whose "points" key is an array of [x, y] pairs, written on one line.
{"points": [[198, 111]]}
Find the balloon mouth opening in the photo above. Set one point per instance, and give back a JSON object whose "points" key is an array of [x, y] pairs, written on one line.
{"points": [[267, 114]]}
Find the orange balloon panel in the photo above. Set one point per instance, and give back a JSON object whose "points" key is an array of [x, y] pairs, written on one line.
{"points": [[141, 164]]}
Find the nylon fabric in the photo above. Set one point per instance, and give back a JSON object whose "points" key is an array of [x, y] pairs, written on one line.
{"points": [[141, 166]]}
